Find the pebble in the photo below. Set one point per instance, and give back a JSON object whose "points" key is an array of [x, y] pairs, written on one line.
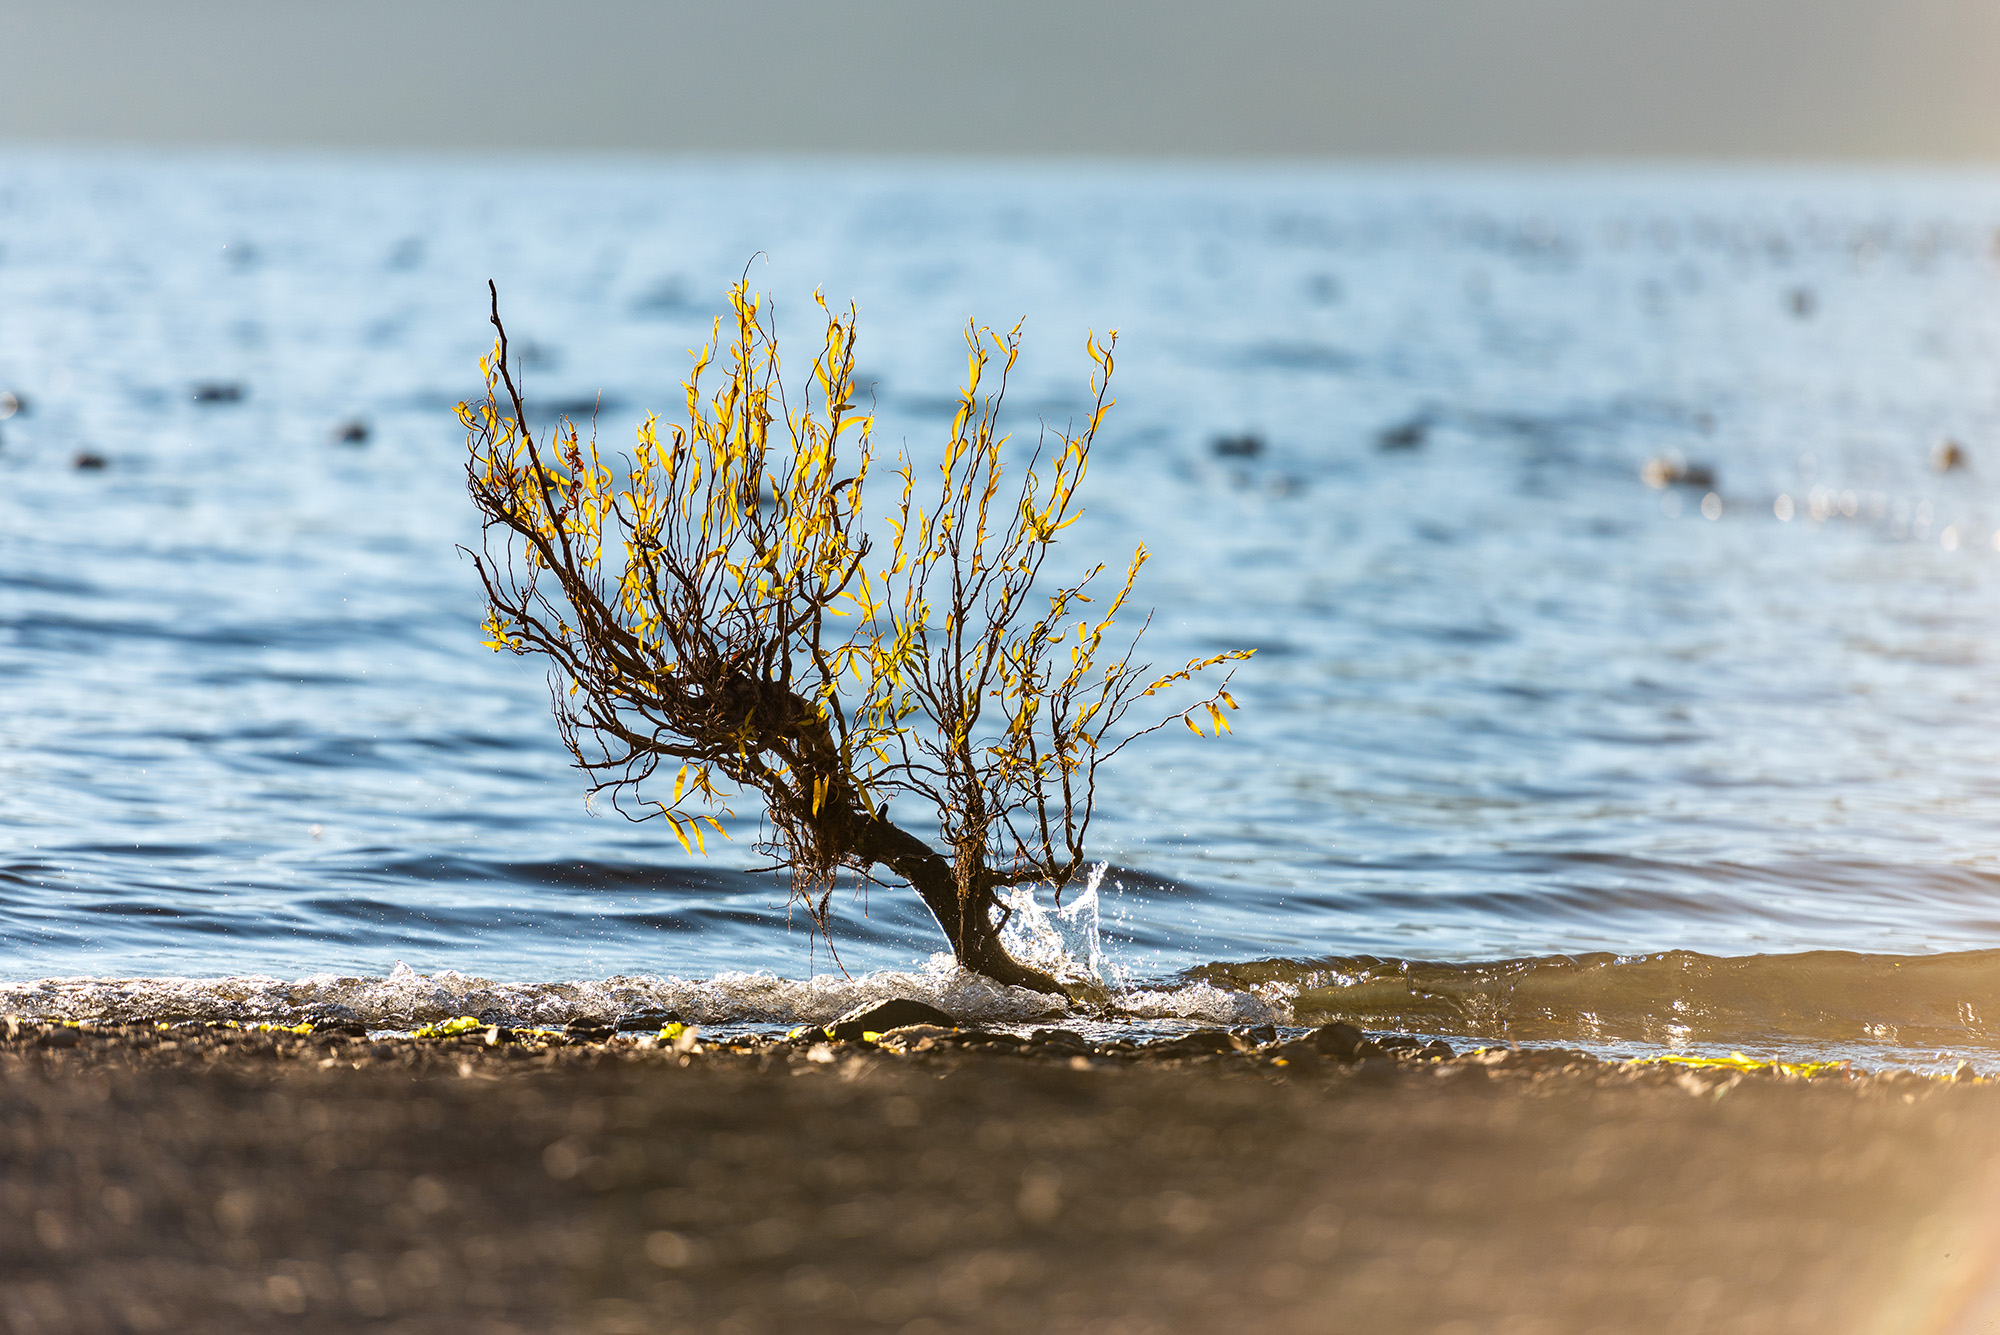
{"points": [[916, 1037], [1200, 1043], [1344, 1042], [1059, 1038], [641, 1022], [882, 1016]]}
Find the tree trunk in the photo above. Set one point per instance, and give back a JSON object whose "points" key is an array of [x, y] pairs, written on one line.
{"points": [[967, 921], [968, 926]]}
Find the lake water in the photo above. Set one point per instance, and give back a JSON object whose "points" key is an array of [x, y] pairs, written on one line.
{"points": [[1530, 749]]}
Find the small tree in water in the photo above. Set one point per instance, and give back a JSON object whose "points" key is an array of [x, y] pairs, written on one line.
{"points": [[718, 618]]}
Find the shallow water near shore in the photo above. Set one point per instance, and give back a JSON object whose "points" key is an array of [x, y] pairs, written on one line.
{"points": [[1531, 750]]}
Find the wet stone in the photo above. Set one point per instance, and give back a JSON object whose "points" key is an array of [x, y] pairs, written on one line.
{"points": [[1344, 1042], [1298, 1052], [882, 1016], [635, 1022], [1200, 1043], [1066, 1039], [915, 1037], [1380, 1069]]}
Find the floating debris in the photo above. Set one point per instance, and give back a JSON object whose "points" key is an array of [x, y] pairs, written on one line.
{"points": [[1737, 1061], [354, 431], [1671, 470], [1404, 435], [1245, 446], [218, 391], [88, 462]]}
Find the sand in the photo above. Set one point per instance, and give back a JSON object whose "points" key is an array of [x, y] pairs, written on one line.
{"points": [[208, 1179]]}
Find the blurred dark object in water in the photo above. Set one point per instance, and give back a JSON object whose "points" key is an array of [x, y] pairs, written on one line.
{"points": [[1671, 470], [1948, 456], [218, 391], [536, 356], [354, 431], [577, 409], [1802, 302], [89, 462], [1404, 435], [1246, 446], [12, 405], [668, 296]]}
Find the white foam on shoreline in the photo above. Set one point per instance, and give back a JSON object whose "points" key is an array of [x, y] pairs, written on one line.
{"points": [[1063, 940], [405, 998]]}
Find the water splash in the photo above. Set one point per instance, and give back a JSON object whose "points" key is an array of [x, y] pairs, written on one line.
{"points": [[1202, 1003], [1065, 941]]}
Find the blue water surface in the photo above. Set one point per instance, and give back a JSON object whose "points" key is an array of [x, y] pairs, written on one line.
{"points": [[1509, 699]]}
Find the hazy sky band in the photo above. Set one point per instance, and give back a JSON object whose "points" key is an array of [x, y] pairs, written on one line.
{"points": [[1766, 79]]}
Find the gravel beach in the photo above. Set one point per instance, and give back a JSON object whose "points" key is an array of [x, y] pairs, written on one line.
{"points": [[209, 1178]]}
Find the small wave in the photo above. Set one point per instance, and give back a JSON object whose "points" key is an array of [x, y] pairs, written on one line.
{"points": [[1673, 998], [1065, 940], [406, 998]]}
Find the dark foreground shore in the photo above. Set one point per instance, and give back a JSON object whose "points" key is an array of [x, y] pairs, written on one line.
{"points": [[210, 1179]]}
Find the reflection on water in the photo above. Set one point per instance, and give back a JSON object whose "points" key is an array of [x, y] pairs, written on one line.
{"points": [[1614, 587]]}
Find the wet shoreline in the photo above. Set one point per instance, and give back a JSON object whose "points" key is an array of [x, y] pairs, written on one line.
{"points": [[1924, 1013]]}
